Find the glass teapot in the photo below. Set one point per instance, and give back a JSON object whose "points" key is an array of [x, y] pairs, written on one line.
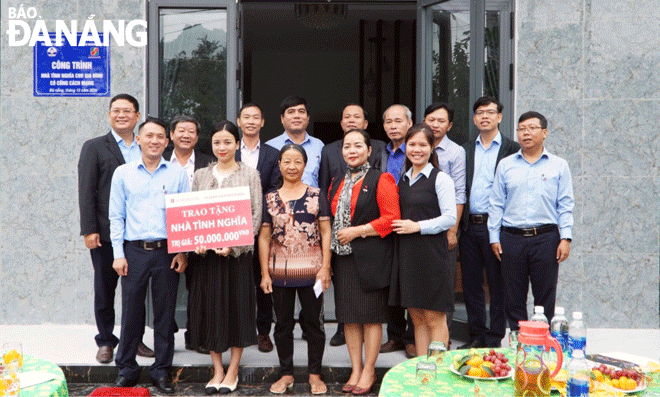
{"points": [[532, 375]]}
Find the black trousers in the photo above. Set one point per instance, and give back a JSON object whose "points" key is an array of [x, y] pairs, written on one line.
{"points": [[477, 256], [264, 301], [284, 299], [143, 266], [105, 284], [525, 260], [400, 327]]}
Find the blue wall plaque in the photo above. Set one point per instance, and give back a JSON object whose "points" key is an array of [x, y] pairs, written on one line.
{"points": [[68, 70]]}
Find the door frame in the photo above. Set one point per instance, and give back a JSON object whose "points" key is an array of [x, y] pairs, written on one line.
{"points": [[478, 10], [233, 70]]}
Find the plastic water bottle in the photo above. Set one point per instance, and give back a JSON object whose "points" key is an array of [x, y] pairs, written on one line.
{"points": [[559, 329], [577, 335], [539, 315], [578, 376]]}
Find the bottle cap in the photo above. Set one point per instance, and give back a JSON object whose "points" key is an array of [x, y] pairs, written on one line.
{"points": [[538, 309], [559, 310], [577, 315]]}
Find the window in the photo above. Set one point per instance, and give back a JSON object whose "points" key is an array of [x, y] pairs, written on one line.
{"points": [[190, 50], [462, 62]]}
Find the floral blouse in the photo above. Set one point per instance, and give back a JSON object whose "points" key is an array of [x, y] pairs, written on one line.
{"points": [[295, 254]]}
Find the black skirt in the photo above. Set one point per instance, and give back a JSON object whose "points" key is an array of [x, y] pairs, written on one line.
{"points": [[352, 303], [223, 304]]}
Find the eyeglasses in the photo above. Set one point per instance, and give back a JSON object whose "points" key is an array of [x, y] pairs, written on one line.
{"points": [[489, 112], [530, 129], [117, 112]]}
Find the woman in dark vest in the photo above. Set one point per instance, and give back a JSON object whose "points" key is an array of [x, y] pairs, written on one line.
{"points": [[422, 280], [364, 203]]}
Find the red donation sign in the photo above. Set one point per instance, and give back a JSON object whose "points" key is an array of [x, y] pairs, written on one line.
{"points": [[211, 218]]}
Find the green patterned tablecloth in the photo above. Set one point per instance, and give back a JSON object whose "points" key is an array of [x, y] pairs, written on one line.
{"points": [[401, 381], [54, 388]]}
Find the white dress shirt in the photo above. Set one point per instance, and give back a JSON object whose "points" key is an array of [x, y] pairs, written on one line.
{"points": [[250, 156], [189, 166]]}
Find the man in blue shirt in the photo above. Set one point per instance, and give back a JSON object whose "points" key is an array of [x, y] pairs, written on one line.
{"points": [[99, 157], [530, 219], [397, 120], [138, 232], [483, 153], [294, 113]]}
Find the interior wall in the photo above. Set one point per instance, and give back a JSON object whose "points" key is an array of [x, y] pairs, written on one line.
{"points": [[284, 57], [324, 79]]}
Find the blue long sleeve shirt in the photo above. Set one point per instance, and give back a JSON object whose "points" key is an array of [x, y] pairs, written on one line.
{"points": [[527, 195], [313, 147], [137, 201]]}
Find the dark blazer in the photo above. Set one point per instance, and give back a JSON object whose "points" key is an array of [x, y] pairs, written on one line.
{"points": [[269, 171], [201, 160], [507, 148], [99, 157], [373, 254], [334, 166]]}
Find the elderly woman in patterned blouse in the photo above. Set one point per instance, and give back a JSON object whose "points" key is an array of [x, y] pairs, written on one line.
{"points": [[294, 251]]}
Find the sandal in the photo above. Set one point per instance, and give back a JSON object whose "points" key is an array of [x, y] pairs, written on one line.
{"points": [[281, 386]]}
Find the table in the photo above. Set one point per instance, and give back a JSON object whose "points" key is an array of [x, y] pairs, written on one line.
{"points": [[401, 381], [54, 388]]}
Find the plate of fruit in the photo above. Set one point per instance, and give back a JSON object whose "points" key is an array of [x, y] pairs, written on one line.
{"points": [[488, 366], [625, 380]]}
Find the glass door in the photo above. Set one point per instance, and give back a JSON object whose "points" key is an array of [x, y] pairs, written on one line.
{"points": [[465, 50], [193, 69], [193, 61]]}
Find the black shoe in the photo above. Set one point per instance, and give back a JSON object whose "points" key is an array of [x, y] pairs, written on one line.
{"points": [[125, 382], [164, 385], [338, 339], [475, 343]]}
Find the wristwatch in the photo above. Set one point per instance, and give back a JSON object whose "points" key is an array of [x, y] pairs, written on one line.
{"points": [[364, 231]]}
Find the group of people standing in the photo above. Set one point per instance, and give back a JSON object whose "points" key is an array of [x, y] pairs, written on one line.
{"points": [[380, 221]]}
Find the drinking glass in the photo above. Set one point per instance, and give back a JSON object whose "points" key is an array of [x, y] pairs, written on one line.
{"points": [[426, 372], [436, 351], [9, 382], [513, 340], [12, 352]]}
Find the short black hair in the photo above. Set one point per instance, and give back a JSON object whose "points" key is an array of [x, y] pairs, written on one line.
{"points": [[250, 105], [365, 135], [534, 115], [440, 105], [364, 112], [127, 97], [293, 146], [183, 118], [154, 120], [226, 125], [428, 134], [485, 101], [292, 101]]}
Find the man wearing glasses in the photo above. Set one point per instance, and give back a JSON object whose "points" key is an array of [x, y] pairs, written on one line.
{"points": [[483, 153], [530, 219], [99, 157]]}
